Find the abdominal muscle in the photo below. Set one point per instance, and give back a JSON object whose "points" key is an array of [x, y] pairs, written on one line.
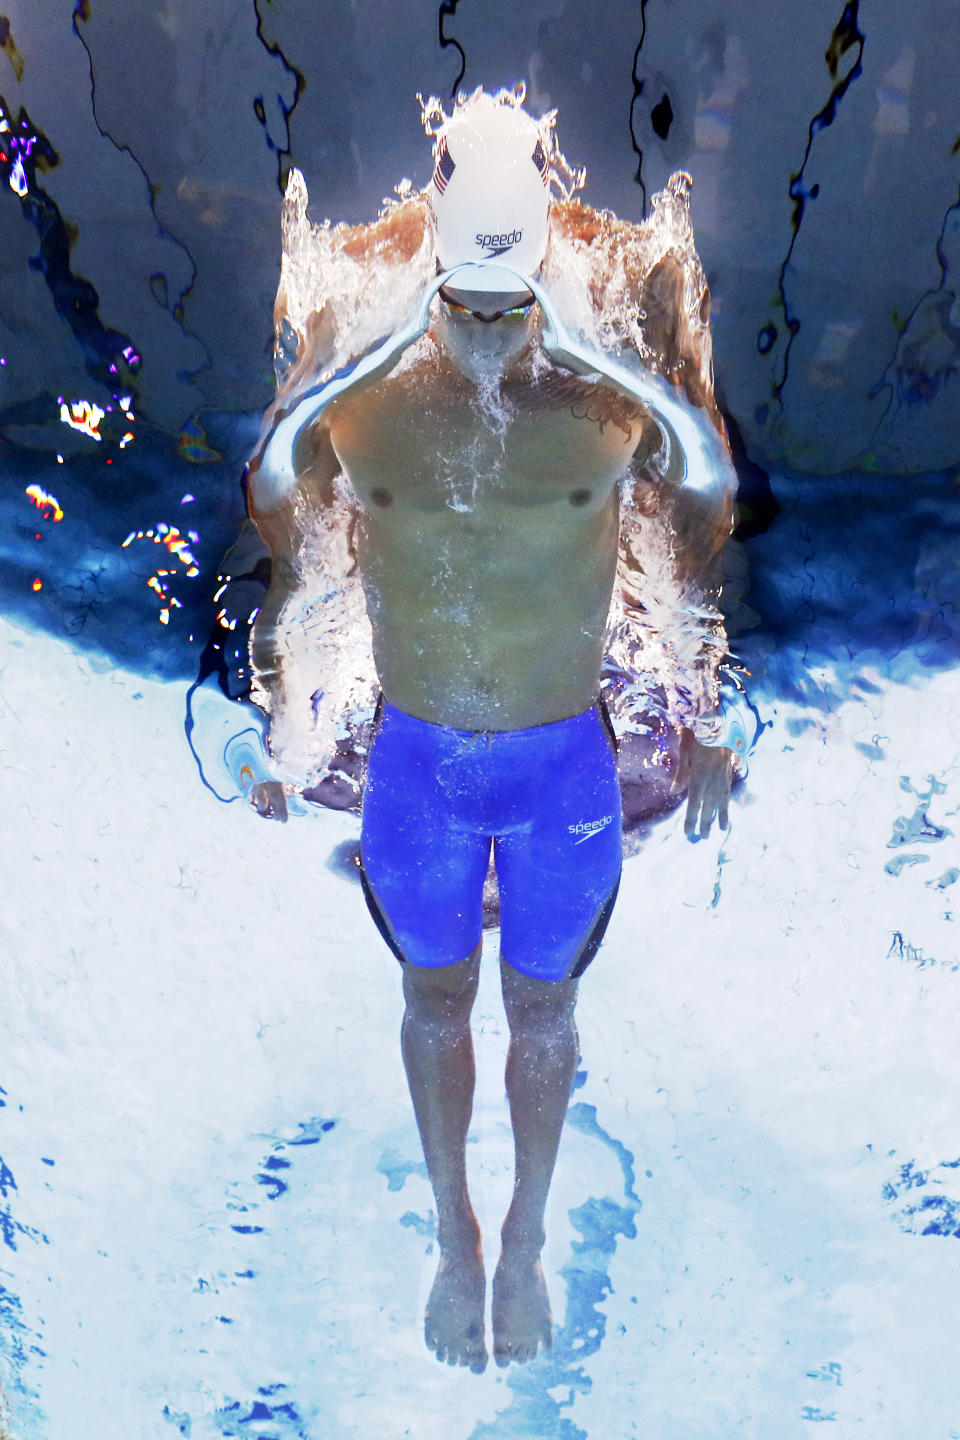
{"points": [[493, 619]]}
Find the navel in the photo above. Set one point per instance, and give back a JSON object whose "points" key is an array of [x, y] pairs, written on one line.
{"points": [[381, 497], [581, 497]]}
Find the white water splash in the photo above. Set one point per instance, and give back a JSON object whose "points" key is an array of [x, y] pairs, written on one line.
{"points": [[334, 304]]}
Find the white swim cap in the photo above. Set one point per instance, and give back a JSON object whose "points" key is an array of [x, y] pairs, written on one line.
{"points": [[490, 192]]}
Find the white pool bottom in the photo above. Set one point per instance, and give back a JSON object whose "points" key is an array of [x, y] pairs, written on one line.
{"points": [[188, 986]]}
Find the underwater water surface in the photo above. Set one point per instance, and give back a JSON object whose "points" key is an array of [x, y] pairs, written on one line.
{"points": [[215, 1215]]}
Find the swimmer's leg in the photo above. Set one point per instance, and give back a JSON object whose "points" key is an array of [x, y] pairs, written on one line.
{"points": [[438, 1057], [541, 1064], [423, 876], [558, 883]]}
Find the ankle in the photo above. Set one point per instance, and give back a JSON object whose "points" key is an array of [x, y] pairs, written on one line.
{"points": [[459, 1235], [521, 1242]]}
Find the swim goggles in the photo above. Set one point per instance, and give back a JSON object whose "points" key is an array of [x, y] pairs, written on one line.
{"points": [[514, 314], [706, 460]]}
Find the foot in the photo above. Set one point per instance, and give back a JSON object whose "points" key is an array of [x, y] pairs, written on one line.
{"points": [[522, 1323], [453, 1325]]}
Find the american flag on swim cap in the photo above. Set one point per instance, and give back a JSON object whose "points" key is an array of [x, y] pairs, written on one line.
{"points": [[444, 168], [540, 160]]}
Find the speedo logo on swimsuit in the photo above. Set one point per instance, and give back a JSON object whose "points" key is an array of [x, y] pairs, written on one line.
{"points": [[586, 829], [498, 244]]}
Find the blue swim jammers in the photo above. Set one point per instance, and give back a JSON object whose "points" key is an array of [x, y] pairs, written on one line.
{"points": [[548, 800]]}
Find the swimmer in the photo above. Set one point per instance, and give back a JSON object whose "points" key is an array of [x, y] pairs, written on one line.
{"points": [[488, 476]]}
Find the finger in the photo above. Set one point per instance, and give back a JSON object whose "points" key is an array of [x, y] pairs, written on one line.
{"points": [[681, 774], [690, 819], [708, 811], [694, 813]]}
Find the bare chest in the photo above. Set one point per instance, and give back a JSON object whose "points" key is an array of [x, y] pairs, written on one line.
{"points": [[426, 442]]}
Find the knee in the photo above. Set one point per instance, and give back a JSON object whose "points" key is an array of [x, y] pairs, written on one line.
{"points": [[444, 995], [537, 1006]]}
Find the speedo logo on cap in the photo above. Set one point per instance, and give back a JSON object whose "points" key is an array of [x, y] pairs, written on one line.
{"points": [[498, 244]]}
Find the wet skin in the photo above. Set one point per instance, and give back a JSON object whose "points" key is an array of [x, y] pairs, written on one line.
{"points": [[488, 552], [487, 479], [488, 543]]}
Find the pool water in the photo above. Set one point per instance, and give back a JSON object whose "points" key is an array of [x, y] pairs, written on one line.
{"points": [[214, 1211]]}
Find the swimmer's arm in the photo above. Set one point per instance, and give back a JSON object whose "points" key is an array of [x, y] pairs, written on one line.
{"points": [[280, 521], [397, 236], [672, 543], [704, 771], [699, 510], [284, 526], [692, 494], [658, 295], [683, 601]]}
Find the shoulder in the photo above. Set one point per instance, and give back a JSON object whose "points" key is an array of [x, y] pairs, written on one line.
{"points": [[583, 227], [396, 235], [548, 388], [578, 223], [645, 283], [418, 377]]}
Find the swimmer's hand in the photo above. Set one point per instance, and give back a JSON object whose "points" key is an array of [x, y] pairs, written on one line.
{"points": [[705, 772], [268, 799]]}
